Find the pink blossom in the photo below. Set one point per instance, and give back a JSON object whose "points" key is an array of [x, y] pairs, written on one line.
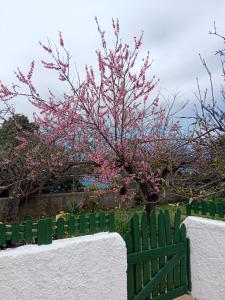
{"points": [[61, 41]]}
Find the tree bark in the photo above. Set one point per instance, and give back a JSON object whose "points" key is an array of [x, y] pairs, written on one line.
{"points": [[151, 197]]}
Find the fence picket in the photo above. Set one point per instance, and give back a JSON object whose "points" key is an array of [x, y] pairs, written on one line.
{"points": [[196, 207], [82, 226], [60, 230], [71, 225], [220, 210], [153, 243], [111, 221], [2, 235], [102, 221], [28, 235], [15, 233], [41, 232], [87, 223], [92, 223], [136, 238], [189, 284], [212, 209], [188, 209], [204, 207], [48, 231]]}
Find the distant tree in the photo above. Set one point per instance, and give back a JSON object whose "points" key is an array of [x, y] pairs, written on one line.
{"points": [[204, 175], [210, 120], [12, 127], [211, 115], [28, 161]]}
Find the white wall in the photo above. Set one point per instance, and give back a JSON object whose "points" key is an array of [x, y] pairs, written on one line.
{"points": [[207, 241], [81, 268]]}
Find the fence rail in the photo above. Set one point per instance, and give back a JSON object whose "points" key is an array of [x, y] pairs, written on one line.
{"points": [[45, 230]]}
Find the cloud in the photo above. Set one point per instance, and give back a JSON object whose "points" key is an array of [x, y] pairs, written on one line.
{"points": [[174, 32]]}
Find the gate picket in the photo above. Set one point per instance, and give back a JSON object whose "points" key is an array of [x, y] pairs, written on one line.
{"points": [[168, 242], [161, 236], [145, 246], [153, 242], [177, 240], [136, 236], [130, 269], [60, 230], [183, 262]]}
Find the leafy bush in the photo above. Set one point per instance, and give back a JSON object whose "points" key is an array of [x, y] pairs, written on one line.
{"points": [[123, 217], [73, 208]]}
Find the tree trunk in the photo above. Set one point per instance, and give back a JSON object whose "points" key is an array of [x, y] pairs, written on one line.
{"points": [[152, 201], [151, 197]]}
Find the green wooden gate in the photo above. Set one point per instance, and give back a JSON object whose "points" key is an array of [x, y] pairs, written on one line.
{"points": [[158, 258]]}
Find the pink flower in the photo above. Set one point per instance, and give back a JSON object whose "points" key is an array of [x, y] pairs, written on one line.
{"points": [[61, 42]]}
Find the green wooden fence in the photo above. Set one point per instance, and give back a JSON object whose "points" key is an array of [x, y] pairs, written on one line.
{"points": [[207, 208], [45, 230], [158, 258]]}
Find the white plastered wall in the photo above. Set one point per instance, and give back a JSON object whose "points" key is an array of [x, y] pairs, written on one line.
{"points": [[81, 268], [207, 249]]}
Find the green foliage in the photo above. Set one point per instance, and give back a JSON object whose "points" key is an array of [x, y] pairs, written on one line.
{"points": [[122, 218], [9, 130], [92, 187], [122, 222], [73, 208], [13, 178]]}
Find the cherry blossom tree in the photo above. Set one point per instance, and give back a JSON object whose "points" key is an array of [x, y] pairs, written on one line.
{"points": [[113, 116]]}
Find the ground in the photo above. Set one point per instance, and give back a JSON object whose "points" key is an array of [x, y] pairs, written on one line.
{"points": [[186, 297]]}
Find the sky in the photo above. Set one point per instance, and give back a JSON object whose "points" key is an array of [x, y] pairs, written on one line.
{"points": [[174, 32]]}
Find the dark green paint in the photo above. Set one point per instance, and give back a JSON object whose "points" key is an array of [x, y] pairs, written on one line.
{"points": [[158, 261]]}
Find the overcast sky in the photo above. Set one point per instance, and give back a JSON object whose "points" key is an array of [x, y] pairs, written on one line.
{"points": [[174, 31]]}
